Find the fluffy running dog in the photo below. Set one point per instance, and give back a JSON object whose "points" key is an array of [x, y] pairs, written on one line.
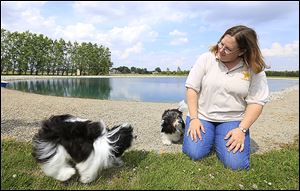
{"points": [[172, 126], [66, 143]]}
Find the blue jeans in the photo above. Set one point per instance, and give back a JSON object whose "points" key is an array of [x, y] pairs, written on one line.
{"points": [[214, 136]]}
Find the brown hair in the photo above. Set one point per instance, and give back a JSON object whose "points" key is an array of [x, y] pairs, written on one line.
{"points": [[247, 41]]}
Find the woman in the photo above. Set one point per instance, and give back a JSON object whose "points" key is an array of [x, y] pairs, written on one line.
{"points": [[226, 91]]}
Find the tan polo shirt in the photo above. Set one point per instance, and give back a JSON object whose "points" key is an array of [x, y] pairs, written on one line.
{"points": [[224, 95]]}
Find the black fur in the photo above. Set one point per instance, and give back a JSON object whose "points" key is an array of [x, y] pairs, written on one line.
{"points": [[168, 118], [66, 144], [124, 137], [78, 137]]}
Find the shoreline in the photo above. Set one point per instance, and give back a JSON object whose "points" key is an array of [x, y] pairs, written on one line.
{"points": [[22, 113], [21, 77], [30, 77]]}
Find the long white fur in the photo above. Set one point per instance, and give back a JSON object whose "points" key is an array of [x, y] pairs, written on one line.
{"points": [[74, 119], [182, 106], [45, 149], [168, 138], [100, 158], [58, 167]]}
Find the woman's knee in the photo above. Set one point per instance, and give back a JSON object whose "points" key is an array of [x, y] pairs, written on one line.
{"points": [[235, 166], [237, 163], [195, 154]]}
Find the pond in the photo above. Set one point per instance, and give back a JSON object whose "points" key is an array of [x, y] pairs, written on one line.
{"points": [[148, 89]]}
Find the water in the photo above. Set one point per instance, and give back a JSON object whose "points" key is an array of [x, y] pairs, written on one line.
{"points": [[156, 89], [276, 85]]}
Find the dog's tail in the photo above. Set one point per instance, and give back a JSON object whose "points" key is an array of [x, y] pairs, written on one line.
{"points": [[44, 144], [120, 138], [43, 150], [74, 134], [182, 106]]}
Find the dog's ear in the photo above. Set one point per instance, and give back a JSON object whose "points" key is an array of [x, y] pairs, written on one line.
{"points": [[178, 110], [165, 112], [93, 130]]}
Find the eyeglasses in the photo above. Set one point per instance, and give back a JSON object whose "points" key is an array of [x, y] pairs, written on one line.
{"points": [[226, 50]]}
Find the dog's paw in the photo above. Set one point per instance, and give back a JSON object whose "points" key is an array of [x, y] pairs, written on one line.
{"points": [[86, 179], [65, 174], [165, 139], [166, 142], [118, 162]]}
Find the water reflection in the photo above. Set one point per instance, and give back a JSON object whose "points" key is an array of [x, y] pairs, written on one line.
{"points": [[148, 89], [166, 89], [276, 85], [72, 87]]}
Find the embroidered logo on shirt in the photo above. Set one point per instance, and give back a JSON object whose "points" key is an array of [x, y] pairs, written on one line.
{"points": [[246, 75]]}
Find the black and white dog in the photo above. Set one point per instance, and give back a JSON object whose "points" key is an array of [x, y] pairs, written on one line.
{"points": [[66, 143], [172, 126]]}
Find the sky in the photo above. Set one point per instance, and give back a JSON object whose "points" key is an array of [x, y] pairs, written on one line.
{"points": [[165, 34]]}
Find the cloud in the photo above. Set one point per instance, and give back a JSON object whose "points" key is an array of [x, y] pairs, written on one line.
{"points": [[282, 57], [137, 48], [98, 12], [179, 38], [128, 40], [78, 32], [140, 33], [128, 34], [179, 41], [131, 12], [291, 49], [177, 33], [123, 41], [22, 16], [21, 5]]}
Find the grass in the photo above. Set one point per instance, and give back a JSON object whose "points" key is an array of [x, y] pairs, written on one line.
{"points": [[148, 170]]}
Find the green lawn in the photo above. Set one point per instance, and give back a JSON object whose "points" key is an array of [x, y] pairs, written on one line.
{"points": [[149, 170]]}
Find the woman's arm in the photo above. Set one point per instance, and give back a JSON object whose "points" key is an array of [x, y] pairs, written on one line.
{"points": [[237, 137], [252, 113], [192, 101], [195, 124]]}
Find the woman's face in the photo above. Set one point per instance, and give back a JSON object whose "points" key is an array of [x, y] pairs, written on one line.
{"points": [[228, 49]]}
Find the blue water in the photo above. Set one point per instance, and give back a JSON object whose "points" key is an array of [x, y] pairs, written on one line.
{"points": [[156, 89], [276, 85]]}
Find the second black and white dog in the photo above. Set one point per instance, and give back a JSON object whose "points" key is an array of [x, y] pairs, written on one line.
{"points": [[172, 126], [66, 144]]}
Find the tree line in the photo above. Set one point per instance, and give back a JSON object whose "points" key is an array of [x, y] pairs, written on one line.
{"points": [[157, 70], [28, 53], [283, 73], [23, 53], [134, 70]]}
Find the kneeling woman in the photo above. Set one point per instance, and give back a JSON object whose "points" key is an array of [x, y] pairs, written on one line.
{"points": [[226, 91]]}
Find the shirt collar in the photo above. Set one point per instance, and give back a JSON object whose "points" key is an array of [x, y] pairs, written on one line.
{"points": [[241, 64]]}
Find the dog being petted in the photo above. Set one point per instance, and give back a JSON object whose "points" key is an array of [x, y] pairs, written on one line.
{"points": [[65, 144], [172, 126]]}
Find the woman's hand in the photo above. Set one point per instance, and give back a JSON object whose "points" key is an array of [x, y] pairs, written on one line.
{"points": [[236, 141], [194, 130]]}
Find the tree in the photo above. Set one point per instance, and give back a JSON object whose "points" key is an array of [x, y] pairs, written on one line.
{"points": [[178, 69], [25, 51], [133, 69], [157, 69], [5, 64]]}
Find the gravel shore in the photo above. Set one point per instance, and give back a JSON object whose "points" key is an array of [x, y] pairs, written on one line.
{"points": [[21, 114]]}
